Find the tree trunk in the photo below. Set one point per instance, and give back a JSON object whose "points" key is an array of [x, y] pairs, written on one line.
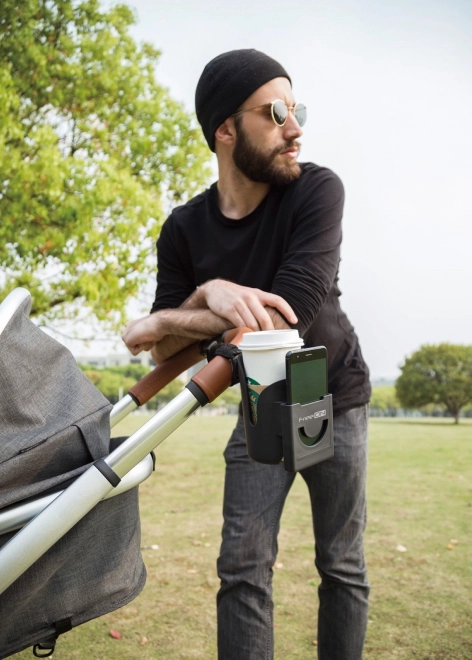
{"points": [[454, 411]]}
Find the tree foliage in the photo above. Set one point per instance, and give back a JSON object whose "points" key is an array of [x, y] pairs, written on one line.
{"points": [[231, 396], [169, 392], [111, 380], [384, 398], [92, 152], [440, 374]]}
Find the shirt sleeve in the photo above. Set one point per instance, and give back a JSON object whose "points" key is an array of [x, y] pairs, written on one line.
{"points": [[310, 265], [174, 282]]}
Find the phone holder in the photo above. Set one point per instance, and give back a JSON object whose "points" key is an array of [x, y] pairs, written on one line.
{"points": [[299, 434]]}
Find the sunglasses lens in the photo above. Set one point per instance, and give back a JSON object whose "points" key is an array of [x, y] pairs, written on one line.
{"points": [[279, 112], [300, 114]]}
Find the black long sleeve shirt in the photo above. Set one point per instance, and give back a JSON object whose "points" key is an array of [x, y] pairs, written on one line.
{"points": [[289, 245]]}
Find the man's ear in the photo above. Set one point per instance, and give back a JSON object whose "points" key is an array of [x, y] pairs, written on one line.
{"points": [[226, 133]]}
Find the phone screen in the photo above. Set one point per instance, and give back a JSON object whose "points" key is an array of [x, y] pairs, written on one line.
{"points": [[307, 374], [307, 379]]}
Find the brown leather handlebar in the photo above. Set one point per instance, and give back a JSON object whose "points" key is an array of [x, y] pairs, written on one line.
{"points": [[164, 373], [215, 377]]}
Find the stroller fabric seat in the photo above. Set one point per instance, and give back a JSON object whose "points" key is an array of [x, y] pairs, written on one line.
{"points": [[53, 425]]}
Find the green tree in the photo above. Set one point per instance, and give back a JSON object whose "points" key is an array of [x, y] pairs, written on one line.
{"points": [[440, 374], [93, 375], [110, 384], [384, 398], [134, 371], [92, 152], [169, 391], [110, 380], [231, 396]]}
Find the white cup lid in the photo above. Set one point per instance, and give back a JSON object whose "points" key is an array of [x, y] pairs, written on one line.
{"points": [[267, 339]]}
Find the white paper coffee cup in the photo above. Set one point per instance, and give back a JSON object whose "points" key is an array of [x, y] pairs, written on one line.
{"points": [[264, 359]]}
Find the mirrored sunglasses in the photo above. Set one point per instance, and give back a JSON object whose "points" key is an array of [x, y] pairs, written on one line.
{"points": [[279, 111]]}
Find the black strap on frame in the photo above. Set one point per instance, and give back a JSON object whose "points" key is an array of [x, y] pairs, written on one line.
{"points": [[230, 352], [109, 474]]}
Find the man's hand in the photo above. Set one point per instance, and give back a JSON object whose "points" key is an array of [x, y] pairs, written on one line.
{"points": [[212, 309], [243, 305], [142, 334]]}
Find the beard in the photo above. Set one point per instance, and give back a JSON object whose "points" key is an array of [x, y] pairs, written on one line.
{"points": [[262, 167]]}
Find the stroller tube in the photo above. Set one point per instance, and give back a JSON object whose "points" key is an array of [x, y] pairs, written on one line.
{"points": [[152, 433], [15, 517], [42, 532], [126, 405]]}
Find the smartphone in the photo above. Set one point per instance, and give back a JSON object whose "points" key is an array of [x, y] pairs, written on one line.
{"points": [[307, 378], [307, 374]]}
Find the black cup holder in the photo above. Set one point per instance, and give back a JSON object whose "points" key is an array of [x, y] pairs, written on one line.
{"points": [[299, 434]]}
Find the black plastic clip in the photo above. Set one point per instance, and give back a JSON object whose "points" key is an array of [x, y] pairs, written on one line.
{"points": [[207, 345]]}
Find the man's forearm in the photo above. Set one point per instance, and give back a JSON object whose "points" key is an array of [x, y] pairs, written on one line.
{"points": [[194, 323], [169, 346], [184, 327]]}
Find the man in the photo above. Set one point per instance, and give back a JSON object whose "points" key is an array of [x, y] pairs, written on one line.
{"points": [[260, 248]]}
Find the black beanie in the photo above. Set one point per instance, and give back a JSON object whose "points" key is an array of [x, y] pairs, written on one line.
{"points": [[227, 81]]}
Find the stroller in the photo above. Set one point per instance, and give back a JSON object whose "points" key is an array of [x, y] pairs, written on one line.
{"points": [[70, 490]]}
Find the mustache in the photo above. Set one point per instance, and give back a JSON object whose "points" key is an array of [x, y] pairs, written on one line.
{"points": [[290, 144]]}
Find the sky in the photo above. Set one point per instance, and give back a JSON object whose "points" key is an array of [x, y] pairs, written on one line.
{"points": [[388, 87]]}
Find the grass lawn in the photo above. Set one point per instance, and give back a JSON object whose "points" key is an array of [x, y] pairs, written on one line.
{"points": [[418, 548]]}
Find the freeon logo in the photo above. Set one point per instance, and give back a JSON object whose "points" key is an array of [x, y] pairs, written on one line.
{"points": [[320, 413]]}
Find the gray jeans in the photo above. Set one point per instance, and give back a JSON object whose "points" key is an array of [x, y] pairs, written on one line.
{"points": [[254, 497]]}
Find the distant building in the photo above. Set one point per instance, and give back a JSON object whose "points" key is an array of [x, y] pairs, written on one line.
{"points": [[122, 359], [382, 382], [117, 360]]}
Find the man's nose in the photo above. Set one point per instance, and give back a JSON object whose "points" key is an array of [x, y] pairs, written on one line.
{"points": [[292, 129]]}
